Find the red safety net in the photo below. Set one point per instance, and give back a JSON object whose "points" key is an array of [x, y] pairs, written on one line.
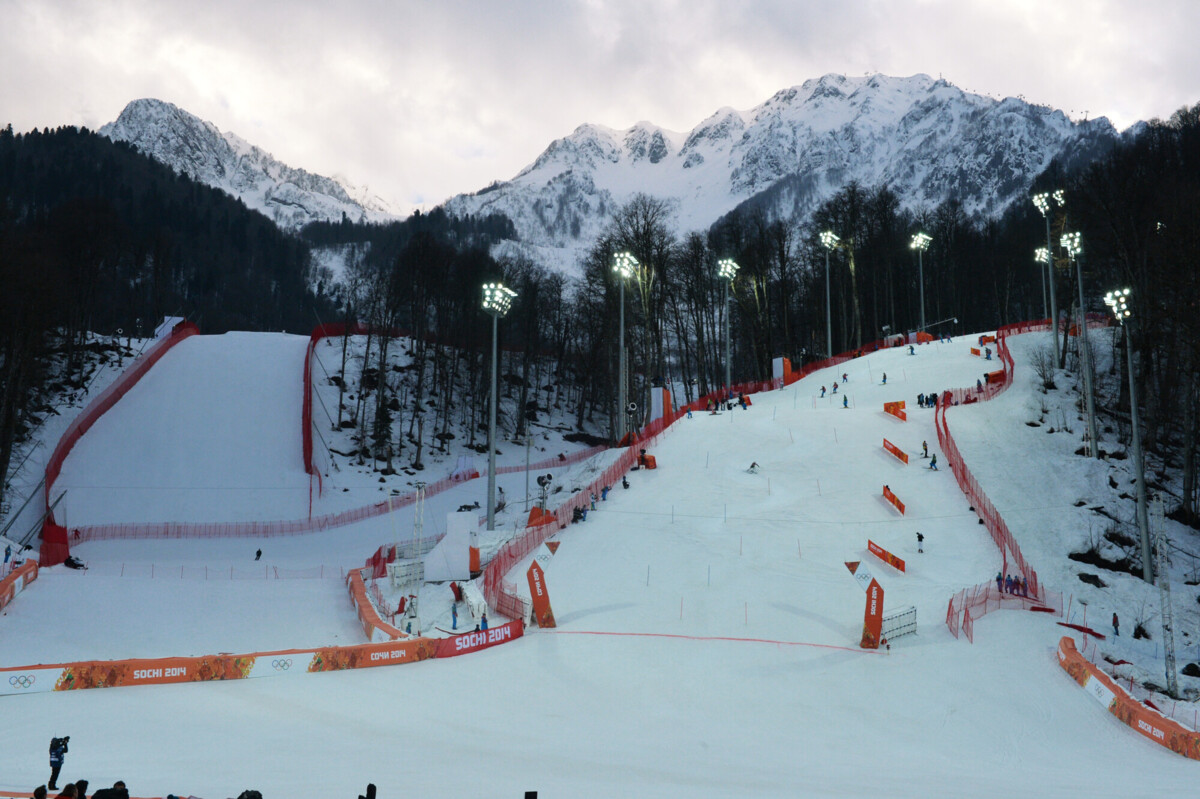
{"points": [[55, 546]]}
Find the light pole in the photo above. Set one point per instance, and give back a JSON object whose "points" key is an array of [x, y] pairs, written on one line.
{"points": [[1118, 302], [829, 240], [727, 268], [1042, 256], [1044, 202], [624, 264], [496, 300], [920, 243], [1071, 243]]}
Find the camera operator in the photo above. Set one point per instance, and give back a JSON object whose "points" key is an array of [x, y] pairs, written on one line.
{"points": [[58, 751]]}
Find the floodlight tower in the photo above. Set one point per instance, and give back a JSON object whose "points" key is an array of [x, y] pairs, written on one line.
{"points": [[1042, 256], [1118, 303], [625, 265], [727, 268], [497, 299], [920, 243], [829, 240], [1074, 247], [1045, 203]]}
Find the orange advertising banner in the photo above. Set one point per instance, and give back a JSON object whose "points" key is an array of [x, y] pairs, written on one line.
{"points": [[892, 498], [996, 376], [975, 351], [541, 598], [1147, 722], [896, 409], [873, 617], [16, 581], [892, 448], [884, 555]]}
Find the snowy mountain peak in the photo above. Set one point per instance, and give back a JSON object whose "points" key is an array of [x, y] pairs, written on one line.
{"points": [[291, 197], [925, 138]]}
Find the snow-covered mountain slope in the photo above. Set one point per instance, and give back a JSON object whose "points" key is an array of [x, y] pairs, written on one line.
{"points": [[925, 138], [194, 147]]}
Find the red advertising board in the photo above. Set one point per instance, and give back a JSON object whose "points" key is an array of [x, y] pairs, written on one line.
{"points": [[480, 639], [892, 498], [884, 555], [893, 449], [541, 598], [873, 617]]}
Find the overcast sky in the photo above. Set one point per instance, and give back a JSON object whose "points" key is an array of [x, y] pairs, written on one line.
{"points": [[422, 100]]}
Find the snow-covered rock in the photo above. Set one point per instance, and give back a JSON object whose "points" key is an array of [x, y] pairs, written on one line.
{"points": [[291, 197]]}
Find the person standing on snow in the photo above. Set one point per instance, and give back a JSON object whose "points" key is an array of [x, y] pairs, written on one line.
{"points": [[999, 581], [58, 753], [845, 377], [920, 543], [822, 392], [834, 386], [924, 449], [845, 401], [885, 378], [933, 462], [454, 617], [1116, 626]]}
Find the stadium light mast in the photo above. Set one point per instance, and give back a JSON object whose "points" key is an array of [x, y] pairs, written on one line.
{"points": [[1072, 244], [1118, 303], [1045, 203], [625, 265], [497, 299], [829, 240], [727, 268], [1042, 256], [920, 243]]}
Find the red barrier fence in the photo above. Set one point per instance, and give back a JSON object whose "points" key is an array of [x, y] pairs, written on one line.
{"points": [[55, 547], [16, 580]]}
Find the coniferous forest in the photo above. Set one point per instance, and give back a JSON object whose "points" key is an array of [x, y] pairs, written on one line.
{"points": [[95, 237]]}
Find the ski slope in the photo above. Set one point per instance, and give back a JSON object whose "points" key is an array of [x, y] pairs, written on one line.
{"points": [[708, 627]]}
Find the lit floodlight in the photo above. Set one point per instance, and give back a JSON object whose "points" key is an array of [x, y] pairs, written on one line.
{"points": [[624, 264], [1072, 243], [1042, 201], [1042, 256], [1118, 302], [1060, 198], [920, 241], [727, 268], [497, 298], [829, 239]]}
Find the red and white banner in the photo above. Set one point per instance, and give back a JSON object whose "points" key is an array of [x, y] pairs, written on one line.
{"points": [[873, 614], [542, 612], [16, 580], [480, 639], [884, 555], [893, 499]]}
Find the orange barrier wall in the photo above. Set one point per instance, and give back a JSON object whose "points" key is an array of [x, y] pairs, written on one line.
{"points": [[376, 628], [892, 448], [163, 671], [884, 555], [896, 409], [542, 612], [975, 351], [16, 581], [1144, 720], [892, 498]]}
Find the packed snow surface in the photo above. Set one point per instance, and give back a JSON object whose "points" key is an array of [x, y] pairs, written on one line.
{"points": [[708, 626]]}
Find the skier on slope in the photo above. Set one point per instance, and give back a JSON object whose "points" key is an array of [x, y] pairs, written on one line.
{"points": [[845, 401], [920, 543], [924, 449], [822, 392], [933, 462]]}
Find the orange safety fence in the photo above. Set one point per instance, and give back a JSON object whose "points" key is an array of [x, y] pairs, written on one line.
{"points": [[55, 546], [1144, 720], [375, 628], [892, 448]]}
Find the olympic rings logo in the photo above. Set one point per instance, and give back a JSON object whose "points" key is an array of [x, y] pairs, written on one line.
{"points": [[22, 680], [281, 664]]}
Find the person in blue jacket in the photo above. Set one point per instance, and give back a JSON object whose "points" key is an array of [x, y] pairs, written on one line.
{"points": [[483, 622], [58, 753]]}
